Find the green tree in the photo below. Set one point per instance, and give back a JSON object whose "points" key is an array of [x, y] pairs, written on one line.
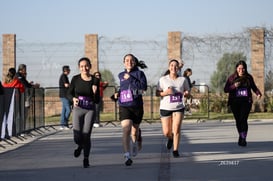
{"points": [[108, 76], [225, 67], [269, 81]]}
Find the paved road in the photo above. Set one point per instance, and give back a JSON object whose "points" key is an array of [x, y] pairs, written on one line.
{"points": [[209, 152]]}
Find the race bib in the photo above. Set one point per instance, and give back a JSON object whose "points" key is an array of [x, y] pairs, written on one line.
{"points": [[85, 103], [177, 97], [242, 92], [126, 96]]}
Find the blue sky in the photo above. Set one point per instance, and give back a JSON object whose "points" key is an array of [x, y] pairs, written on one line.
{"points": [[70, 20]]}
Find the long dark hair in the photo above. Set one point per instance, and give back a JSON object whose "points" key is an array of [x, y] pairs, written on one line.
{"points": [[185, 74], [244, 80], [139, 63], [243, 63], [10, 75]]}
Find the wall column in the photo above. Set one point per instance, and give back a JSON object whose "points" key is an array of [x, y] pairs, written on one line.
{"points": [[91, 50], [257, 64], [174, 46], [9, 53]]}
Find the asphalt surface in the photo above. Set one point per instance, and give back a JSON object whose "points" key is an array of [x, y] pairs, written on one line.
{"points": [[209, 151]]}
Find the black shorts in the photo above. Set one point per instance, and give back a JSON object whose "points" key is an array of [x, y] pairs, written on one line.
{"points": [[167, 113], [133, 113]]}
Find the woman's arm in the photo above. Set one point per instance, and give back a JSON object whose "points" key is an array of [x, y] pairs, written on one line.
{"points": [[229, 86], [255, 88]]}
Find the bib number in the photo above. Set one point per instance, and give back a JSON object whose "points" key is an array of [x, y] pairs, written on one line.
{"points": [[242, 92], [85, 102], [126, 96], [177, 97]]}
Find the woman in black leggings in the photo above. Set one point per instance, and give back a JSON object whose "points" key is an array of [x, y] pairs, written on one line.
{"points": [[239, 86], [84, 92]]}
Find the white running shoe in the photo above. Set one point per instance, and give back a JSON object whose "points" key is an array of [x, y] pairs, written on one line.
{"points": [[97, 125]]}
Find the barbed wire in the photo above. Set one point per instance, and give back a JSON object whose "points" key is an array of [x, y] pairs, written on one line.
{"points": [[200, 53]]}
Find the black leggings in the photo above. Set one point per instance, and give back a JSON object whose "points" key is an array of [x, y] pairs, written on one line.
{"points": [[241, 110], [83, 120]]}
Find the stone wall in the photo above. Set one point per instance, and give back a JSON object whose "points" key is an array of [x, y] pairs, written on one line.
{"points": [[53, 106], [9, 53], [257, 65]]}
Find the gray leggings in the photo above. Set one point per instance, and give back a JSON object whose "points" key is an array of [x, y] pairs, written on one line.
{"points": [[83, 120]]}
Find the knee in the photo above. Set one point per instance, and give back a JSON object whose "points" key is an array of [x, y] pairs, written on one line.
{"points": [[167, 134], [126, 130]]}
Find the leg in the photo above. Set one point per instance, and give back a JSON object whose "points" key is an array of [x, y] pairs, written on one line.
{"points": [[241, 111], [87, 129], [67, 112], [236, 109], [167, 126], [77, 130], [62, 121], [243, 116], [126, 130], [167, 130], [245, 109], [134, 132], [97, 113], [177, 122], [135, 138], [137, 115]]}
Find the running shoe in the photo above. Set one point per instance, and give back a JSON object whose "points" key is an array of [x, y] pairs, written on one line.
{"points": [[85, 163], [128, 160], [97, 125], [176, 154], [77, 152], [242, 142]]}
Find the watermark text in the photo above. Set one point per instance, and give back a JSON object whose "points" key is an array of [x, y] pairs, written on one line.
{"points": [[229, 163]]}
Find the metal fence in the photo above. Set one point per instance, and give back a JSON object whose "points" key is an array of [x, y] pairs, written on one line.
{"points": [[199, 104], [42, 107], [21, 112]]}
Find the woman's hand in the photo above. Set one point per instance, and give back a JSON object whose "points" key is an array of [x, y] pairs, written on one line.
{"points": [[169, 91], [116, 95], [237, 84], [126, 76], [186, 94], [75, 101]]}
